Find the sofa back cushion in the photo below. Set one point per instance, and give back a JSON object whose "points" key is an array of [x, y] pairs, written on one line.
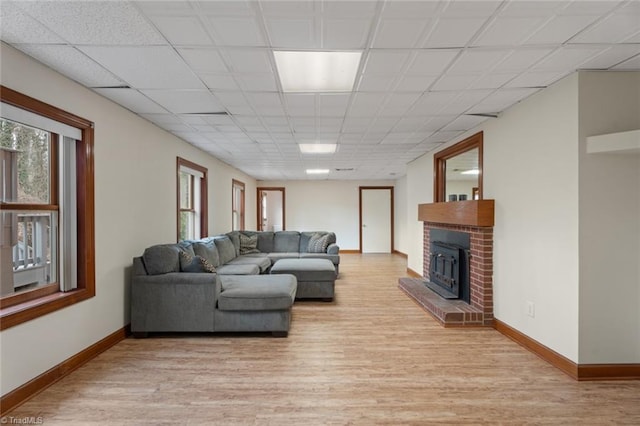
{"points": [[226, 249], [286, 242], [162, 259], [234, 236], [265, 241], [208, 250], [305, 237]]}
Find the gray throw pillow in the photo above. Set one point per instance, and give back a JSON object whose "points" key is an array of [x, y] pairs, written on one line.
{"points": [[248, 244], [318, 243], [190, 263], [162, 259]]}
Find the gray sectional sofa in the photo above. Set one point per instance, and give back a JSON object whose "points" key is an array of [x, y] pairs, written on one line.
{"points": [[173, 287]]}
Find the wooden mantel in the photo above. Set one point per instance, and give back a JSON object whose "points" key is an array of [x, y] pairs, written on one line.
{"points": [[471, 213]]}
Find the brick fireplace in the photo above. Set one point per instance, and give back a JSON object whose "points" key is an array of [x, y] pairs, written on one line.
{"points": [[476, 219]]}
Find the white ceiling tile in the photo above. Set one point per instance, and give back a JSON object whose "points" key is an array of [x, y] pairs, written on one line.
{"points": [[105, 22], [401, 9], [18, 27], [464, 101], [454, 32], [508, 31], [345, 33], [399, 33], [333, 105], [257, 82], [164, 6], [437, 122], [535, 79], [366, 104], [501, 100], [355, 124], [249, 60], [532, 8], [145, 67], [203, 60], [477, 60], [226, 7], [287, 8], [432, 102], [464, 122], [375, 82], [409, 124], [612, 56], [162, 119], [631, 64], [617, 27], [350, 8], [522, 59], [398, 103], [470, 8], [277, 121], [492, 80], [415, 83], [385, 62], [264, 99], [133, 100], [380, 127], [218, 81], [559, 29], [567, 58], [72, 63], [595, 7], [240, 110], [291, 33], [182, 30], [431, 62], [185, 101], [237, 31], [300, 105], [455, 82]]}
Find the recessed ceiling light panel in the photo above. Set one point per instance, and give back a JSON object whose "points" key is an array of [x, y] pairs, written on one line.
{"points": [[317, 171], [317, 148], [317, 71]]}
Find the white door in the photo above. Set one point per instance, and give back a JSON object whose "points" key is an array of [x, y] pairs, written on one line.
{"points": [[376, 221]]}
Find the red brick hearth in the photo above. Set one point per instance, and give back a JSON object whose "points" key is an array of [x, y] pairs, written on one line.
{"points": [[479, 312]]}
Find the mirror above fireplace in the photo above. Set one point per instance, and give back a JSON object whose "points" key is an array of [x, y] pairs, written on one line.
{"points": [[458, 171]]}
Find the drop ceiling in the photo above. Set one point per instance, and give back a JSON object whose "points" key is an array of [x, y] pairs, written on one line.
{"points": [[430, 70]]}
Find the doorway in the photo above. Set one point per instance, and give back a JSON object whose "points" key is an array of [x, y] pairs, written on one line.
{"points": [[376, 219], [271, 211]]}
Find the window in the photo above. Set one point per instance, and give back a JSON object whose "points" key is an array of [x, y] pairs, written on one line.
{"points": [[192, 201], [46, 209], [237, 205]]}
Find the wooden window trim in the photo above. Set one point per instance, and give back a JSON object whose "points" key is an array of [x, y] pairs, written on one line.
{"points": [[237, 183], [204, 203], [31, 309], [440, 159]]}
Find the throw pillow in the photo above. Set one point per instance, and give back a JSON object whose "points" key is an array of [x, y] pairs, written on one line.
{"points": [[190, 263], [248, 244], [318, 243]]}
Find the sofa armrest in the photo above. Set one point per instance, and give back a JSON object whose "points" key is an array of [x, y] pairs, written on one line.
{"points": [[333, 249]]}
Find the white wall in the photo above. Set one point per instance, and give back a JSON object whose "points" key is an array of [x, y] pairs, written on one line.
{"points": [[324, 205], [536, 221], [401, 219], [135, 204], [609, 223], [461, 187]]}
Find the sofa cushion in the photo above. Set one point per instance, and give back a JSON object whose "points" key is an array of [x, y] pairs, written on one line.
{"points": [[231, 269], [262, 261], [334, 258], [207, 249], [277, 256], [162, 259], [306, 269], [318, 243], [226, 250], [286, 241], [304, 241], [257, 293], [248, 244], [265, 241], [234, 236], [196, 263]]}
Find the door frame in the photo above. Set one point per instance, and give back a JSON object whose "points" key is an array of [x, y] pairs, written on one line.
{"points": [[390, 189], [259, 191]]}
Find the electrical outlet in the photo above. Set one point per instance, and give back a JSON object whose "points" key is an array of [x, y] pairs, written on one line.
{"points": [[531, 309]]}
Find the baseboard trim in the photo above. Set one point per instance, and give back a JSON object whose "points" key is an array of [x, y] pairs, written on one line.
{"points": [[559, 361], [608, 372], [413, 274], [23, 393], [581, 372], [399, 253], [350, 251]]}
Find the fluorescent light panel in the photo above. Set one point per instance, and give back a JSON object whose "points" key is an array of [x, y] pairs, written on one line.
{"points": [[317, 148], [317, 171], [317, 71]]}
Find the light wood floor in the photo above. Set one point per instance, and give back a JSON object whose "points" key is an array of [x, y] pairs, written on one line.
{"points": [[371, 357]]}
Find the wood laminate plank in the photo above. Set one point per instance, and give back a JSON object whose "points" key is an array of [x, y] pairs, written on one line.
{"points": [[370, 357]]}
